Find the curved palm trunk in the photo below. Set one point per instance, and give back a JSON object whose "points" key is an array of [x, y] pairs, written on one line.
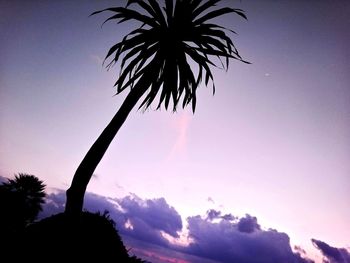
{"points": [[75, 193]]}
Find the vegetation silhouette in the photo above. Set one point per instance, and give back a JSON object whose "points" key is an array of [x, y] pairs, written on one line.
{"points": [[90, 236], [156, 63], [22, 239], [21, 201]]}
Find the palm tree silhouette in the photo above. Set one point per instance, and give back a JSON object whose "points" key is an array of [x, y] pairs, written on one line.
{"points": [[21, 201], [156, 63]]}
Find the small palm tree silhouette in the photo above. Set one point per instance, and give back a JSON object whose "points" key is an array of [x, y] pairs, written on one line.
{"points": [[156, 64], [21, 200]]}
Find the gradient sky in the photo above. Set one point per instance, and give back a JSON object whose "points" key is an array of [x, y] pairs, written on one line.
{"points": [[273, 142]]}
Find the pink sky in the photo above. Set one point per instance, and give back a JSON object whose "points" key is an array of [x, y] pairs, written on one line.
{"points": [[273, 142]]}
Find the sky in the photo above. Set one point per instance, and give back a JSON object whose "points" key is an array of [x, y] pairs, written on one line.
{"points": [[273, 143]]}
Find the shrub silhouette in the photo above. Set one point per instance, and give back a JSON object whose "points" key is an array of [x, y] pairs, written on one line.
{"points": [[83, 238], [23, 240]]}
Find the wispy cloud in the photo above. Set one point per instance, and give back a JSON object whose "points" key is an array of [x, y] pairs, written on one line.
{"points": [[210, 200], [181, 125], [96, 59]]}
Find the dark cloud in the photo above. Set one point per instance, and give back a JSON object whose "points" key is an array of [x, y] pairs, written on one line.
{"points": [[248, 224], [159, 254], [239, 241], [155, 213], [228, 217], [215, 237], [3, 179], [141, 219], [55, 202], [332, 254], [213, 214], [300, 250]]}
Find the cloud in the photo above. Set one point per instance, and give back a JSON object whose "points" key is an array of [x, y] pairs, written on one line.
{"points": [[3, 179], [55, 202], [213, 214], [210, 200], [149, 227], [181, 126], [154, 212], [248, 224], [158, 254], [148, 219], [96, 59], [145, 220], [239, 241], [332, 254]]}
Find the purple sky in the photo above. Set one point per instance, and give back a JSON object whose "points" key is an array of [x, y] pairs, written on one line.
{"points": [[273, 142]]}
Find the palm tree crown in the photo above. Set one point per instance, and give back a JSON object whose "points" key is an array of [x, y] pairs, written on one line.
{"points": [[21, 200], [157, 54], [31, 191]]}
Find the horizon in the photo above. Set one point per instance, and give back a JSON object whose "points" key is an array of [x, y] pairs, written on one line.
{"points": [[272, 143], [177, 239]]}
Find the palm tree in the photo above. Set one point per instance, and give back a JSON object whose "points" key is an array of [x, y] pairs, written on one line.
{"points": [[21, 200], [156, 64]]}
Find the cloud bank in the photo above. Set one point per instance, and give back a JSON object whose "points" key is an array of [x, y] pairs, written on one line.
{"points": [[230, 239], [151, 227]]}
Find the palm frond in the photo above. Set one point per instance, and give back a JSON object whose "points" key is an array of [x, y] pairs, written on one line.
{"points": [[125, 14], [158, 54]]}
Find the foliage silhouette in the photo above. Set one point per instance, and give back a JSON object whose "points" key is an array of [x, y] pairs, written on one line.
{"points": [[156, 63], [21, 200], [58, 236], [24, 240]]}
